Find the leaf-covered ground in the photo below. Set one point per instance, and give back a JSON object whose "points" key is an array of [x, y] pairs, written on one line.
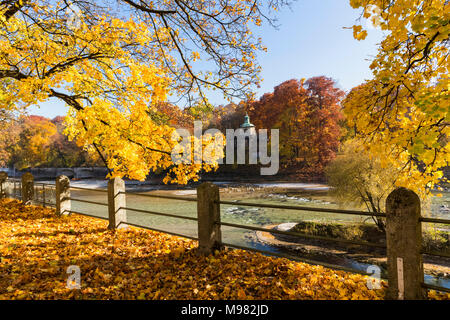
{"points": [[37, 247]]}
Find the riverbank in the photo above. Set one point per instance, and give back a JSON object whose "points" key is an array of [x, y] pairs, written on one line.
{"points": [[437, 269]]}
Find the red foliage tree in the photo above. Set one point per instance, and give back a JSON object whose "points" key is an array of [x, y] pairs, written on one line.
{"points": [[324, 101], [307, 113]]}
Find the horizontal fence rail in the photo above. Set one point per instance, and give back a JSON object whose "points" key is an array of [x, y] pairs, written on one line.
{"points": [[87, 201], [160, 213], [303, 235], [159, 230], [436, 253], [209, 222], [88, 189], [434, 220], [433, 287], [83, 214], [326, 210], [160, 196]]}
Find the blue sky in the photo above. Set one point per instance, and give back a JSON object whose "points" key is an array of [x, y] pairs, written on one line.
{"points": [[310, 41]]}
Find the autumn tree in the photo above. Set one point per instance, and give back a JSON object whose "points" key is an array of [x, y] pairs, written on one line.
{"points": [[112, 62], [33, 143], [308, 115], [224, 117], [405, 107], [324, 102], [283, 109], [170, 114], [65, 154], [30, 141], [9, 135], [355, 176]]}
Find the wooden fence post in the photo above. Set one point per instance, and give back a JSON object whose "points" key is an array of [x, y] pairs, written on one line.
{"points": [[208, 213], [27, 188], [43, 195], [116, 203], [404, 243], [3, 178], [63, 205]]}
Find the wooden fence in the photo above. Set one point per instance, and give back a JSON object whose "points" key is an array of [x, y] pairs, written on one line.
{"points": [[403, 225]]}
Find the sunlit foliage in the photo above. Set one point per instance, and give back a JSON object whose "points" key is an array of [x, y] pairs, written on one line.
{"points": [[113, 62], [404, 109]]}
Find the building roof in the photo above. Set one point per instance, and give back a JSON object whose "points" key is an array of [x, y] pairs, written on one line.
{"points": [[247, 123]]}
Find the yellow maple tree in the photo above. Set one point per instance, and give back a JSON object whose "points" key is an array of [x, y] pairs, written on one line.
{"points": [[403, 112], [113, 63]]}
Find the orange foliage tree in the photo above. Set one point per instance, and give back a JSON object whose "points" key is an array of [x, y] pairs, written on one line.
{"points": [[36, 141], [229, 116], [308, 115], [324, 102], [33, 143], [113, 62]]}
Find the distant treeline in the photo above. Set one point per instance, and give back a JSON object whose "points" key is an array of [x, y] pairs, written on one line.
{"points": [[307, 113], [35, 141]]}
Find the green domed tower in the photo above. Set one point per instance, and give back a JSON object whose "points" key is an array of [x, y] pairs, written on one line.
{"points": [[247, 124]]}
